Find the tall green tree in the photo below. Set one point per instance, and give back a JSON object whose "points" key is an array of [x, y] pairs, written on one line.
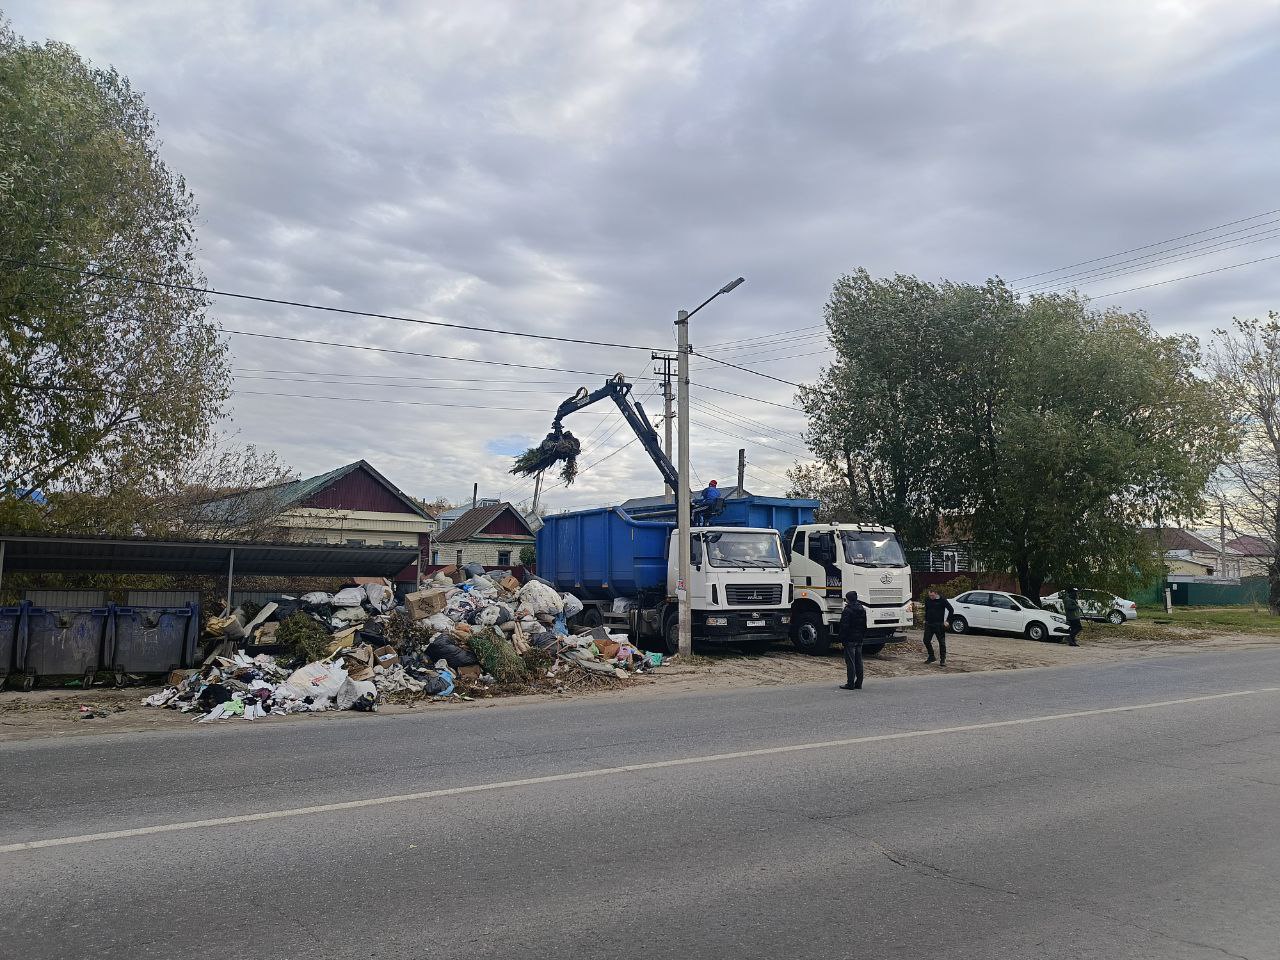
{"points": [[1245, 363], [1055, 430], [104, 382]]}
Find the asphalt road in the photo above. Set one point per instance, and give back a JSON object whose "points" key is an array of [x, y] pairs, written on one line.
{"points": [[1017, 814]]}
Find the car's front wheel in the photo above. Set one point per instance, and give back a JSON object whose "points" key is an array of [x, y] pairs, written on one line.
{"points": [[1115, 618], [959, 625], [1036, 631]]}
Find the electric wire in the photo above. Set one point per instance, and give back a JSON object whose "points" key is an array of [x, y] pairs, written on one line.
{"points": [[345, 311], [1145, 264], [1203, 273], [1146, 246]]}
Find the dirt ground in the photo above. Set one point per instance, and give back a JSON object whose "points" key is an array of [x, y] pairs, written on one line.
{"points": [[57, 712]]}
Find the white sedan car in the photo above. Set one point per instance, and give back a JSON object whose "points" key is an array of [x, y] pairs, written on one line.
{"points": [[1097, 605], [1005, 613]]}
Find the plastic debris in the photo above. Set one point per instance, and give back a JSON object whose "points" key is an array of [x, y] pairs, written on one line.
{"points": [[463, 634]]}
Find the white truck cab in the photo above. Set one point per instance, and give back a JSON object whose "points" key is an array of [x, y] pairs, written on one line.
{"points": [[827, 560], [739, 585]]}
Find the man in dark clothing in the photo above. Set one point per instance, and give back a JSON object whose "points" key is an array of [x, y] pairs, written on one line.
{"points": [[853, 631], [937, 614], [1071, 610]]}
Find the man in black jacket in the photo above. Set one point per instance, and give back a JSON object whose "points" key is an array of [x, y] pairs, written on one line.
{"points": [[853, 631], [937, 614]]}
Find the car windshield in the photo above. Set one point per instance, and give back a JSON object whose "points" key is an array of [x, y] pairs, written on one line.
{"points": [[872, 549], [1024, 602], [743, 550]]}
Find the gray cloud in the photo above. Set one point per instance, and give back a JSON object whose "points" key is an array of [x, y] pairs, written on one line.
{"points": [[582, 168]]}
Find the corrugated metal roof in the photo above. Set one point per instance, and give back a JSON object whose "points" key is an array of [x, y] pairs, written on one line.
{"points": [[56, 554], [284, 495], [475, 520]]}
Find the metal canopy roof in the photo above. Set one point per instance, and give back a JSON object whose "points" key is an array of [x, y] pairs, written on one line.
{"points": [[55, 554]]}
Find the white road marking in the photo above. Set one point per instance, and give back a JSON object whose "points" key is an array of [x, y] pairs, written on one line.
{"points": [[603, 772]]}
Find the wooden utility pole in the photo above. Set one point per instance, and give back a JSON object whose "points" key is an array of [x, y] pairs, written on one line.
{"points": [[668, 398], [742, 469]]}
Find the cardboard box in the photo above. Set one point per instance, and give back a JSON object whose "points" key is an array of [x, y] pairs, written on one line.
{"points": [[359, 662], [510, 584], [451, 571], [471, 671], [386, 656], [424, 603], [177, 676]]}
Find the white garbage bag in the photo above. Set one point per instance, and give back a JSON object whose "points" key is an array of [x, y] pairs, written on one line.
{"points": [[349, 597], [348, 616], [353, 690], [572, 605], [316, 598], [537, 598], [380, 596], [318, 680]]}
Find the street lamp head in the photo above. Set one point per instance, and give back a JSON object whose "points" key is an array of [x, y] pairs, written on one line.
{"points": [[732, 285]]}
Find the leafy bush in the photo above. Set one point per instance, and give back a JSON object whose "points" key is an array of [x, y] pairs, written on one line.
{"points": [[304, 637]]}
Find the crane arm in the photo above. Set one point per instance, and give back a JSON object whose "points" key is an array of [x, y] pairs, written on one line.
{"points": [[618, 390]]}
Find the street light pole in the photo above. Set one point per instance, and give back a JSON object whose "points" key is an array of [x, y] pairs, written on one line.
{"points": [[683, 499]]}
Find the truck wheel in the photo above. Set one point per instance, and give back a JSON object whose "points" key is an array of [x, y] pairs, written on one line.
{"points": [[671, 635], [591, 617], [809, 633], [871, 649]]}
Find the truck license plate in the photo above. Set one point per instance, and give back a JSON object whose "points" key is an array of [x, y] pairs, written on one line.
{"points": [[755, 623]]}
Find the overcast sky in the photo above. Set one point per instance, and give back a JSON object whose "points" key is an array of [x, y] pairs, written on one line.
{"points": [[587, 168]]}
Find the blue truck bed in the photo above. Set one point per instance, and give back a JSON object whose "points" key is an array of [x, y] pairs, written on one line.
{"points": [[776, 512], [603, 553]]}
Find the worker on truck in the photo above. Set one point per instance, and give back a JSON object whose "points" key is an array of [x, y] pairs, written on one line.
{"points": [[712, 503]]}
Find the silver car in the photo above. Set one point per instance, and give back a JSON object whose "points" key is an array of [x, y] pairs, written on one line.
{"points": [[1096, 605]]}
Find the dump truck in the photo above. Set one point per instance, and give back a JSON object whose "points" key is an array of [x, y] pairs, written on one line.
{"points": [[625, 571], [825, 561]]}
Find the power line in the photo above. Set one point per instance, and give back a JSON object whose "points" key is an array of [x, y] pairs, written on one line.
{"points": [[402, 376], [1145, 246], [738, 353], [1146, 263], [410, 403], [716, 410], [410, 353], [758, 466], [719, 428], [398, 386], [742, 396], [767, 483], [726, 363], [101, 275], [1203, 273], [764, 336]]}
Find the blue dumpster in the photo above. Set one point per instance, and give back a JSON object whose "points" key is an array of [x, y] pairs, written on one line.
{"points": [[152, 639], [12, 638], [71, 641]]}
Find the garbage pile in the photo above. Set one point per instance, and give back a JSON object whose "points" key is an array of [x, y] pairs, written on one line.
{"points": [[462, 634]]}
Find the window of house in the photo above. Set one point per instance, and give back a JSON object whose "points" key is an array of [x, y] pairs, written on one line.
{"points": [[435, 557], [504, 558], [352, 542], [392, 543], [949, 562]]}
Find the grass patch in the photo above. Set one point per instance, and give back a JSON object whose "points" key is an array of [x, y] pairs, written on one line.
{"points": [[1219, 619]]}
